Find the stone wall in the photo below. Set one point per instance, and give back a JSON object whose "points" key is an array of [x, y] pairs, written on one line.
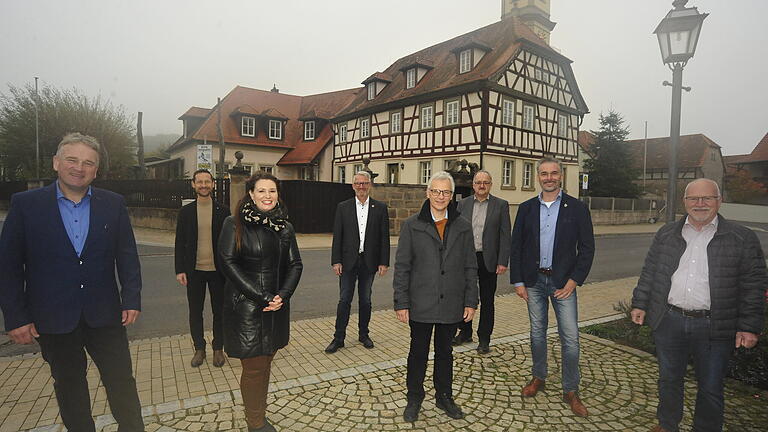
{"points": [[156, 218], [402, 201]]}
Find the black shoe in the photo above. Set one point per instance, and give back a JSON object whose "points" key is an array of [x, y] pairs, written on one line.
{"points": [[462, 338], [446, 403], [334, 346], [367, 342], [483, 348], [266, 428], [411, 412]]}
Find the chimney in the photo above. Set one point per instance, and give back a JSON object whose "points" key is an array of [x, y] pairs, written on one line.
{"points": [[275, 89]]}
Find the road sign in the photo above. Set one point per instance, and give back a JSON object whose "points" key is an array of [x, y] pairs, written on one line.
{"points": [[205, 156], [585, 181]]}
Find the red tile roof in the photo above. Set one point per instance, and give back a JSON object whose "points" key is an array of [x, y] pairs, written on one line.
{"points": [[760, 152], [377, 76], [691, 153], [196, 112]]}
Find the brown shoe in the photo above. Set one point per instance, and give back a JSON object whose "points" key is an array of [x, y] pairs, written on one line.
{"points": [[198, 358], [533, 387], [218, 358], [578, 408], [658, 428]]}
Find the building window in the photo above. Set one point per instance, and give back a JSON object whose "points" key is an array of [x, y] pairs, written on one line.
{"points": [[371, 90], [410, 78], [447, 164], [528, 117], [269, 169], [275, 129], [307, 173], [343, 133], [248, 168], [425, 171], [465, 61], [365, 128], [309, 130], [508, 173], [248, 126], [528, 175], [395, 122], [508, 112], [712, 155], [562, 125], [427, 120], [537, 74], [452, 112], [358, 168], [342, 174], [217, 170]]}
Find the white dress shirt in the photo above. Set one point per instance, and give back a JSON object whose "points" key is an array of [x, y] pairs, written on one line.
{"points": [[690, 282], [362, 219]]}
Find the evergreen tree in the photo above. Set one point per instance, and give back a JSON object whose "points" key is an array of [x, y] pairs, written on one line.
{"points": [[611, 172]]}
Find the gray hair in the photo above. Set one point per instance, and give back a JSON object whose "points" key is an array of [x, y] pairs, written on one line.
{"points": [[717, 186], [549, 159], [442, 175], [483, 172], [365, 174], [78, 138]]}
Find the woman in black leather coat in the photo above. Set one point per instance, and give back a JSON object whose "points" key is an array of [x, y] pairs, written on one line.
{"points": [[261, 262]]}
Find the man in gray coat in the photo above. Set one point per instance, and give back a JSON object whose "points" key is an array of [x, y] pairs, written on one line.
{"points": [[435, 285], [491, 230], [701, 291]]}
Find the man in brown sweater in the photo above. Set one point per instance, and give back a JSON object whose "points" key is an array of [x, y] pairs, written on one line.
{"points": [[197, 233]]}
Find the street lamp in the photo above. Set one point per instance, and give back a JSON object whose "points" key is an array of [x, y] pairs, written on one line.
{"points": [[37, 135], [678, 35]]}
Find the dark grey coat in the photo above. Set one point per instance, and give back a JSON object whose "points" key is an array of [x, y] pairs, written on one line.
{"points": [[737, 278], [435, 279]]}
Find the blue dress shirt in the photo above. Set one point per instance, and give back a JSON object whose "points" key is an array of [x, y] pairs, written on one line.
{"points": [[76, 218], [547, 226]]}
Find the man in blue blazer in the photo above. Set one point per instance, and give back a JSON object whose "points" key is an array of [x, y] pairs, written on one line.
{"points": [[59, 249], [552, 251]]}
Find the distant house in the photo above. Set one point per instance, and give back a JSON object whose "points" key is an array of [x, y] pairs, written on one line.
{"points": [[754, 163]]}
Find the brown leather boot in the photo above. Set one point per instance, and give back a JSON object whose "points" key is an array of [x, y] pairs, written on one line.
{"points": [[218, 358], [533, 387], [254, 384], [198, 358], [578, 408]]}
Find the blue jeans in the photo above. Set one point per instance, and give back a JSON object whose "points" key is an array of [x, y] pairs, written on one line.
{"points": [[677, 339], [567, 314], [361, 276]]}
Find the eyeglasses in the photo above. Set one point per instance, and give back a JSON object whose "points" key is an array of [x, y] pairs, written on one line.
{"points": [[438, 192], [705, 199], [482, 183], [361, 183]]}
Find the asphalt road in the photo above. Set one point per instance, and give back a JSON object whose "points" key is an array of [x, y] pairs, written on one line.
{"points": [[164, 301]]}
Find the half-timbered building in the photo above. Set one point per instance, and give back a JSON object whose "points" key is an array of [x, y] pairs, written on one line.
{"points": [[498, 96]]}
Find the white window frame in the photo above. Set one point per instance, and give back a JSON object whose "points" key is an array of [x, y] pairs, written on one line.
{"points": [[452, 110], [537, 73], [410, 78], [425, 171], [343, 132], [309, 130], [275, 129], [371, 86], [358, 168], [342, 174], [447, 163], [507, 173], [528, 175], [529, 112], [365, 128], [427, 117], [267, 168], [395, 122], [465, 61], [248, 126], [508, 112], [562, 125]]}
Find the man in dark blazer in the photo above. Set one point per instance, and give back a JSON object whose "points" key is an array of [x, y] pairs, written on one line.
{"points": [[552, 250], [360, 250], [59, 249], [489, 216], [196, 255]]}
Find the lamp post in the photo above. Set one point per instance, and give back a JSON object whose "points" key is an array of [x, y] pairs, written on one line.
{"points": [[37, 135], [678, 34]]}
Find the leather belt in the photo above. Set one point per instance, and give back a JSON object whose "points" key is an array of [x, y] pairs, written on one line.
{"points": [[701, 313], [545, 271]]}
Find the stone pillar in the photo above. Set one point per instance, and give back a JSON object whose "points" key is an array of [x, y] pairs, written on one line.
{"points": [[237, 177]]}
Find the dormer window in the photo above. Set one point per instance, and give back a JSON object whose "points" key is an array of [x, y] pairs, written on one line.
{"points": [[410, 78], [371, 90], [275, 129], [465, 61], [248, 126], [309, 130]]}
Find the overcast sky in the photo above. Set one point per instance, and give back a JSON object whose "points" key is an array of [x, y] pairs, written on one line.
{"points": [[161, 57]]}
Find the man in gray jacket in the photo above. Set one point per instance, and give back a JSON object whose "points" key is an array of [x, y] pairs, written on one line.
{"points": [[701, 291], [435, 285]]}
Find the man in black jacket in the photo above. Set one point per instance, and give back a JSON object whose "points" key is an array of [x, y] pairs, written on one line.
{"points": [[701, 291], [360, 250], [197, 235], [552, 251]]}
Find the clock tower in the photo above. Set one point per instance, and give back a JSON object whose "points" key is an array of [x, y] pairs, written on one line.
{"points": [[534, 13]]}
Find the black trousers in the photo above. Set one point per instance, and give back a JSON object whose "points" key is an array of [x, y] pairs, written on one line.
{"points": [[487, 282], [360, 275], [419, 352], [108, 347], [196, 283]]}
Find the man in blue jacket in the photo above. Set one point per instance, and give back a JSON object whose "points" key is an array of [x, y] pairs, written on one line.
{"points": [[59, 249], [552, 250]]}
